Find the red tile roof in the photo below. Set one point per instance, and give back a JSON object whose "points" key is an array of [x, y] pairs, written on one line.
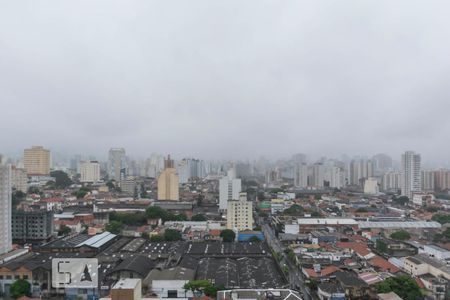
{"points": [[383, 265]]}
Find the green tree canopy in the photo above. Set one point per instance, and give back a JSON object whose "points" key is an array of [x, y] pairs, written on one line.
{"points": [[114, 227], [294, 210], [64, 230], [401, 235], [20, 288], [156, 238], [199, 217], [172, 235], [402, 200], [404, 286], [441, 218], [129, 218], [228, 235], [62, 180], [203, 286]]}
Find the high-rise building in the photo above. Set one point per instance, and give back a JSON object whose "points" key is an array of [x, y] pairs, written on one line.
{"points": [[90, 171], [442, 179], [117, 164], [168, 182], [411, 174], [240, 213], [36, 161], [334, 177], [382, 163], [371, 186], [428, 180], [229, 189], [5, 208], [189, 168], [301, 175], [360, 170], [19, 179], [318, 175], [392, 181]]}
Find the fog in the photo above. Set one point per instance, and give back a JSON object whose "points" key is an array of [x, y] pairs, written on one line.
{"points": [[226, 79]]}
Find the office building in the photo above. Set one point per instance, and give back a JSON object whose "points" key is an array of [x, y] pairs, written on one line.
{"points": [[19, 179], [411, 174], [36, 161], [240, 213], [117, 164], [5, 208], [168, 182], [32, 226], [90, 171], [301, 175], [229, 189]]}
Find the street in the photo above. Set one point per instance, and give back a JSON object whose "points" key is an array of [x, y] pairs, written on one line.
{"points": [[295, 276]]}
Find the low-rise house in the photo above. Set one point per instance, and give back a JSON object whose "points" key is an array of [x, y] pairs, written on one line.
{"points": [[353, 286], [169, 283]]}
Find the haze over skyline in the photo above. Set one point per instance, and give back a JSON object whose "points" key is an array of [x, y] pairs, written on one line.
{"points": [[226, 80]]}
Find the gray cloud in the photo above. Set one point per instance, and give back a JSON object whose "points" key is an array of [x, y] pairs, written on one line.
{"points": [[226, 79]]}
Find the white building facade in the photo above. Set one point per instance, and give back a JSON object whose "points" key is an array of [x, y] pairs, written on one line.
{"points": [[411, 174], [5, 208], [229, 189], [90, 171]]}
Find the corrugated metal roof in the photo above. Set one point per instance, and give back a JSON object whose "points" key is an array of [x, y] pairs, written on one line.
{"points": [[408, 224], [98, 240]]}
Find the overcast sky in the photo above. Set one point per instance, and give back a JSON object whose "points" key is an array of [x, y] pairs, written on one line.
{"points": [[226, 79]]}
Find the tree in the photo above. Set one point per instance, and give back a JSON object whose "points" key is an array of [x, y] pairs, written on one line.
{"points": [[64, 230], [254, 239], [294, 210], [62, 180], [203, 286], [441, 218], [156, 238], [17, 197], [227, 235], [402, 200], [130, 218], [401, 235], [172, 235], [114, 227], [20, 288], [361, 210], [381, 246], [199, 217], [404, 286]]}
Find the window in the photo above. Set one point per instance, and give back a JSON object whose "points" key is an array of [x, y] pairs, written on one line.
{"points": [[172, 294]]}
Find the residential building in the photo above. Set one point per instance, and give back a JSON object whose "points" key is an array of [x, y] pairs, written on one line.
{"points": [[90, 171], [392, 181], [334, 177], [32, 226], [36, 160], [411, 174], [19, 179], [5, 208], [428, 181], [240, 213], [229, 189], [359, 171], [301, 175], [318, 175], [442, 179], [168, 182], [117, 164]]}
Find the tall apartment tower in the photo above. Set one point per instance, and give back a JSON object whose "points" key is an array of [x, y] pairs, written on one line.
{"points": [[5, 208], [229, 189], [411, 174], [117, 164], [301, 175], [168, 182], [240, 213], [90, 171], [36, 160]]}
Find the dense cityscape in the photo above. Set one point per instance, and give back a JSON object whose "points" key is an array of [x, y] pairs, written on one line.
{"points": [[359, 228]]}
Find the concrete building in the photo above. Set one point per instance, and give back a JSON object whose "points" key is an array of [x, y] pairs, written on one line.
{"points": [[442, 179], [32, 226], [334, 177], [36, 160], [229, 189], [168, 182], [127, 289], [240, 214], [392, 181], [360, 170], [117, 164], [428, 181], [317, 175], [411, 174], [371, 186], [5, 208], [90, 171], [190, 168], [301, 175], [19, 179]]}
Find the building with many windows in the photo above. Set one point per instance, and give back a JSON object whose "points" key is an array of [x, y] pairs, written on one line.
{"points": [[229, 189], [411, 174], [32, 226], [117, 164], [90, 171], [5, 208], [168, 182], [240, 213], [36, 160], [19, 179]]}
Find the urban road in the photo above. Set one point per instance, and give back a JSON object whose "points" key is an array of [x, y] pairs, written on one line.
{"points": [[295, 276]]}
